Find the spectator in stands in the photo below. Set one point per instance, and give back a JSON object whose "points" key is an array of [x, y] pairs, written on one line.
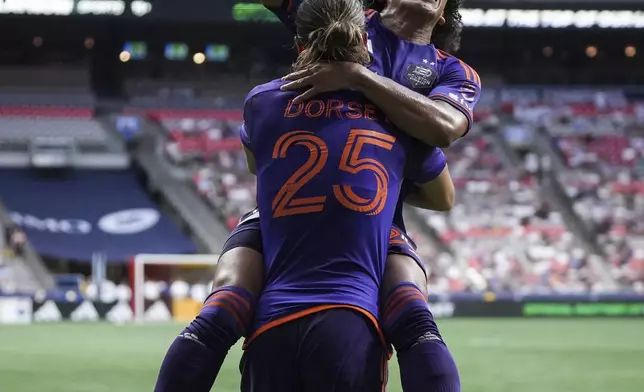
{"points": [[504, 234], [17, 242]]}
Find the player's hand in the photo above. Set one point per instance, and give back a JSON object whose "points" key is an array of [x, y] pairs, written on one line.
{"points": [[321, 78]]}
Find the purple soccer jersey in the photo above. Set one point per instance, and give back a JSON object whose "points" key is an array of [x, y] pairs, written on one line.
{"points": [[421, 68], [329, 176]]}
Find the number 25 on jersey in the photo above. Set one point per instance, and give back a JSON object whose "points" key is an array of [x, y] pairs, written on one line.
{"points": [[285, 203]]}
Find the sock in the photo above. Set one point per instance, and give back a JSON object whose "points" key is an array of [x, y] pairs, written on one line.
{"points": [[188, 366], [425, 362], [405, 316], [195, 357], [428, 366]]}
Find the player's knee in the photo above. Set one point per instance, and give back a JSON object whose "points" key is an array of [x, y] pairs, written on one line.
{"points": [[403, 269], [240, 267]]}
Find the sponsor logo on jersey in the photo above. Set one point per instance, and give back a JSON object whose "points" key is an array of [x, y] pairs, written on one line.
{"points": [[420, 76]]}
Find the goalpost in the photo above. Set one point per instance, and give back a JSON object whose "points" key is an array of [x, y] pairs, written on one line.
{"points": [[138, 274]]}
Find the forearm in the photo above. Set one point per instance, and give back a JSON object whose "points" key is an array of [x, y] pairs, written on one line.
{"points": [[415, 114], [418, 198]]}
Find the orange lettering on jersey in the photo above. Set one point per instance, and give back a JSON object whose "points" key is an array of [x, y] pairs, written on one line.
{"points": [[355, 110], [285, 203], [335, 108], [334, 105], [293, 110], [316, 103], [370, 112], [352, 163]]}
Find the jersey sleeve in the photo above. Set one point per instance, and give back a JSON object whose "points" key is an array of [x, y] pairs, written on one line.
{"points": [[460, 86], [425, 164], [286, 13], [256, 108], [246, 127], [243, 135]]}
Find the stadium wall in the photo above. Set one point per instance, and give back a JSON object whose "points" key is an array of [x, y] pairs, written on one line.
{"points": [[25, 310]]}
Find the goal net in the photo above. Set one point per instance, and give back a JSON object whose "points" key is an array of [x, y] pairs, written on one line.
{"points": [[170, 287]]}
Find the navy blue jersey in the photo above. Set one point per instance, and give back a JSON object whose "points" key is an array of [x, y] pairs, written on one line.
{"points": [[329, 173]]}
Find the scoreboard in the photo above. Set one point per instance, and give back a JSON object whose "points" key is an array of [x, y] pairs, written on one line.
{"points": [[170, 9], [186, 10], [75, 7]]}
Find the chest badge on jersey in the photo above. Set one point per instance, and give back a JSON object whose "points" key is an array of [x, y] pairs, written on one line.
{"points": [[420, 76]]}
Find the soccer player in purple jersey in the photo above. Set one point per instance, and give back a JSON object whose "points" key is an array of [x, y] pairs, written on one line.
{"points": [[430, 96], [437, 110], [329, 174]]}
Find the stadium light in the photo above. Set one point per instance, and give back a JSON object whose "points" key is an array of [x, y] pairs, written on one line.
{"points": [[630, 51], [125, 56], [199, 58], [89, 43], [591, 51], [37, 42]]}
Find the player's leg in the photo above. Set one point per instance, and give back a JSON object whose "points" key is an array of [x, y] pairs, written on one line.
{"points": [[195, 357], [423, 358], [341, 351], [269, 363]]}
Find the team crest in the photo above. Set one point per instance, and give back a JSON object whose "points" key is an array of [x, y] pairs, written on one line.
{"points": [[420, 76]]}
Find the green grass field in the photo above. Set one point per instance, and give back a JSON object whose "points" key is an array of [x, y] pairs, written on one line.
{"points": [[589, 355]]}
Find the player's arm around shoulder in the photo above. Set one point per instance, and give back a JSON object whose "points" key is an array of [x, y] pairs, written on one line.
{"points": [[250, 161], [433, 122], [246, 131], [427, 169], [458, 90], [255, 118], [250, 158], [436, 195]]}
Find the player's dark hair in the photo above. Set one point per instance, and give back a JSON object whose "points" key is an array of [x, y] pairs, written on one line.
{"points": [[448, 36], [331, 30]]}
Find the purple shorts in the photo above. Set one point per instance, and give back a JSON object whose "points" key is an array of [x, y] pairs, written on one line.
{"points": [[248, 234], [335, 350]]}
